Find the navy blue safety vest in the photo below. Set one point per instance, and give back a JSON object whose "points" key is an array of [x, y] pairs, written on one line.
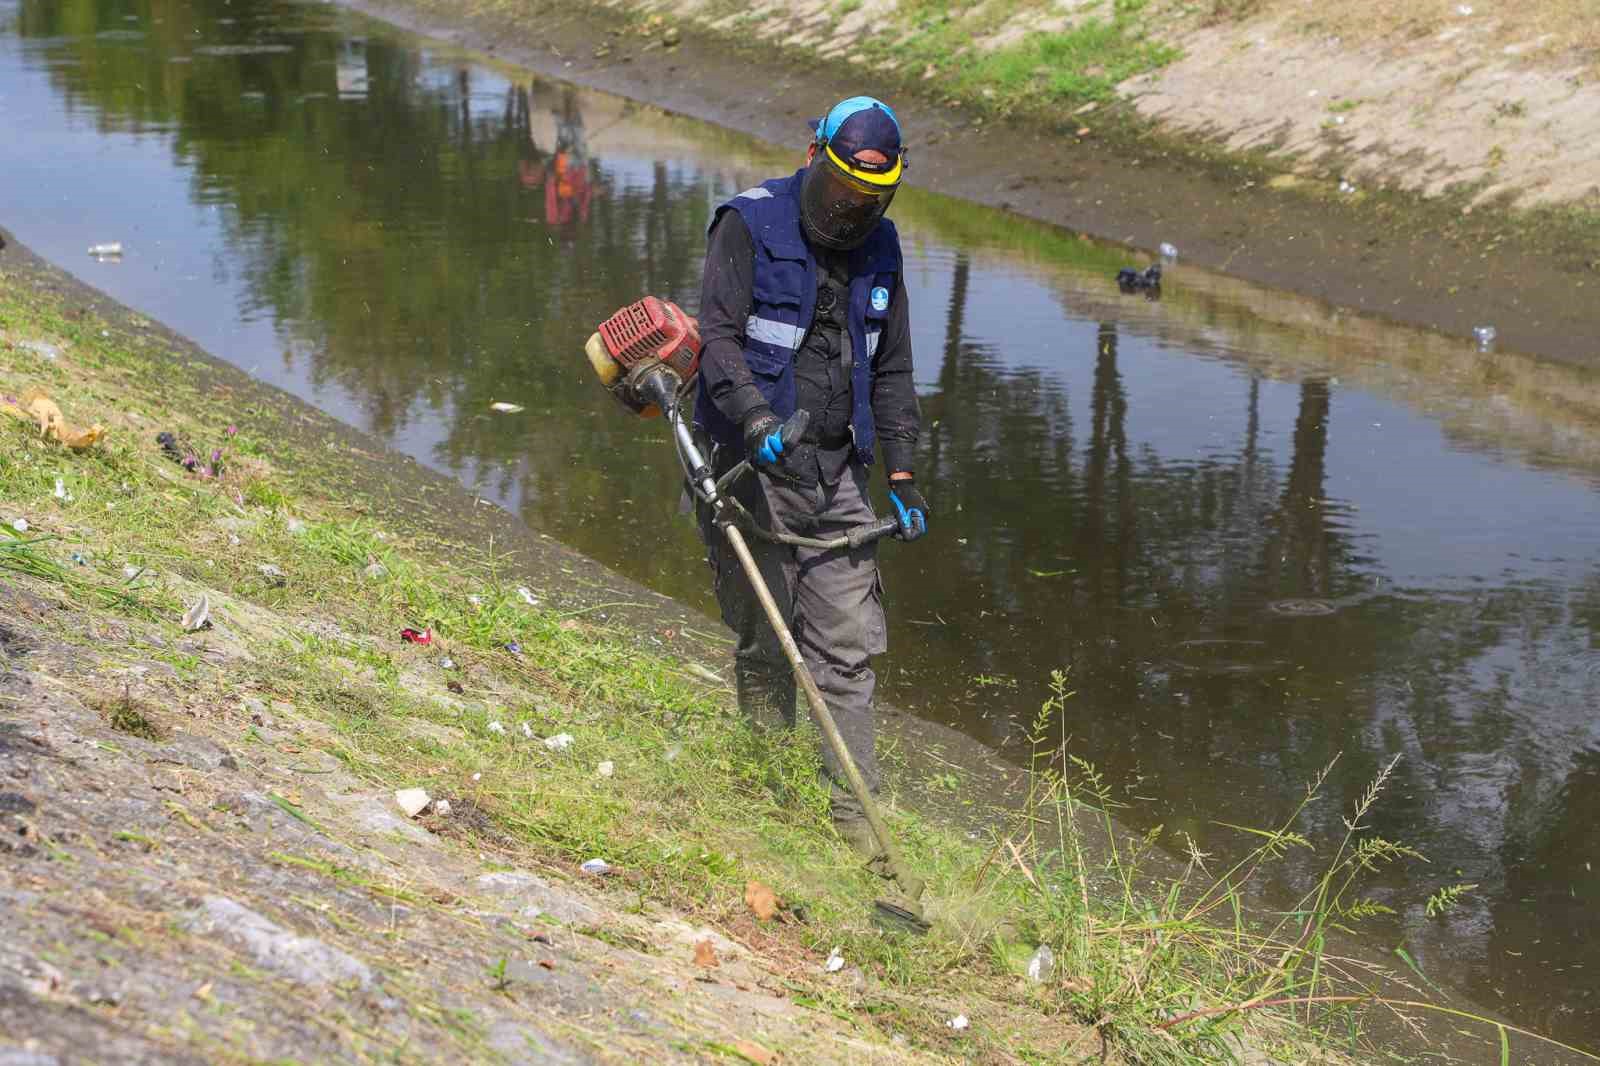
{"points": [[783, 299]]}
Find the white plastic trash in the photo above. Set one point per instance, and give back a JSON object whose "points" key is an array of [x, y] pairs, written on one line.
{"points": [[559, 742], [1169, 251], [412, 800], [606, 769], [597, 867], [958, 1023], [835, 962]]}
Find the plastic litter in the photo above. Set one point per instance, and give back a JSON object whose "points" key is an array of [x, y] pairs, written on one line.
{"points": [[597, 867], [106, 250], [412, 636], [1041, 965], [497, 728], [835, 962], [513, 647], [476, 601], [80, 558], [375, 572], [527, 730], [199, 616], [606, 769], [61, 492], [1346, 186], [36, 406], [447, 663], [277, 578], [958, 1023], [295, 526], [1485, 336], [412, 801], [507, 408], [527, 596], [441, 807], [20, 525], [1168, 251], [559, 742]]}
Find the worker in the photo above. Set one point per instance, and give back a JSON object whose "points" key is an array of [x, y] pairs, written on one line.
{"points": [[803, 306]]}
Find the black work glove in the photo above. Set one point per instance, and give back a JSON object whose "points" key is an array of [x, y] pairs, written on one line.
{"points": [[774, 447], [909, 506]]}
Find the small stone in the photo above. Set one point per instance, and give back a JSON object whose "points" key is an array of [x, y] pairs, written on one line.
{"points": [[596, 867], [198, 616], [295, 526], [671, 37], [412, 800], [375, 572], [441, 808]]}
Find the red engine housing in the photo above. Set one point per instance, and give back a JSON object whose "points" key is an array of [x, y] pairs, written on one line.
{"points": [[653, 330]]}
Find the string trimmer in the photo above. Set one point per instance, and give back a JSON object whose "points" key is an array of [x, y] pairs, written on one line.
{"points": [[647, 355]]}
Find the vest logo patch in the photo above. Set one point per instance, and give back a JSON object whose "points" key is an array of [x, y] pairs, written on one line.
{"points": [[880, 299]]}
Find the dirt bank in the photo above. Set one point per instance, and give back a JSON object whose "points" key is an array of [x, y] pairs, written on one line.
{"points": [[1437, 263]]}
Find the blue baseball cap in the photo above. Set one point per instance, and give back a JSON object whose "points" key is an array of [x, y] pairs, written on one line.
{"points": [[861, 124]]}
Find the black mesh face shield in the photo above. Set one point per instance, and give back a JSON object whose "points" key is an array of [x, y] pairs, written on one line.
{"points": [[839, 205]]}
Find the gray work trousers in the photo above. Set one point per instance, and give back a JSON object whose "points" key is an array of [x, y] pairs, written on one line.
{"points": [[832, 601]]}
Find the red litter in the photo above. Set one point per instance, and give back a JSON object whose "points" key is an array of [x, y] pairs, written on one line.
{"points": [[411, 636]]}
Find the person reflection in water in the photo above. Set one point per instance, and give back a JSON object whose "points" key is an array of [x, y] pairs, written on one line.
{"points": [[565, 174]]}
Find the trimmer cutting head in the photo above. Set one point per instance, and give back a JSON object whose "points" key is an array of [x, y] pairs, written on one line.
{"points": [[635, 348]]}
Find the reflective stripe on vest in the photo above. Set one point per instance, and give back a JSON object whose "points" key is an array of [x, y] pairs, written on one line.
{"points": [[777, 334], [873, 337], [757, 193]]}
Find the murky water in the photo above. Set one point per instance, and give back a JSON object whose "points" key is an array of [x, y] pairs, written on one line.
{"points": [[1258, 532]]}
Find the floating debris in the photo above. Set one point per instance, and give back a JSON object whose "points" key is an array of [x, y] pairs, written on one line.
{"points": [[412, 801], [1146, 281]]}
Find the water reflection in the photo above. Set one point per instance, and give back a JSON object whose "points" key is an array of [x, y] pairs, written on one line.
{"points": [[1258, 533]]}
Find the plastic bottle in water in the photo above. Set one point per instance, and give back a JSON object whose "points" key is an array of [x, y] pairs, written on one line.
{"points": [[108, 250], [1485, 336]]}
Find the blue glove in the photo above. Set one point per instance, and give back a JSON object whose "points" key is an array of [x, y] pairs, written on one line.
{"points": [[909, 506], [763, 438]]}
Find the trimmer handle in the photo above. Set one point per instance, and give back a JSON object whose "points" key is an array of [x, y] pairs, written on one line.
{"points": [[866, 534]]}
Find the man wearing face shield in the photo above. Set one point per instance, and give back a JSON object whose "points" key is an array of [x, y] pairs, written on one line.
{"points": [[803, 307]]}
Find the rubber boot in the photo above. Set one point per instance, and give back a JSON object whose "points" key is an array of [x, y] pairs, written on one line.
{"points": [[766, 694]]}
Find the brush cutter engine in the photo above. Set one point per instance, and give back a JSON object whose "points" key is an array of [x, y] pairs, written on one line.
{"points": [[645, 353]]}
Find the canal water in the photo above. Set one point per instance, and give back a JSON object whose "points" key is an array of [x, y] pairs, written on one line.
{"points": [[1258, 533]]}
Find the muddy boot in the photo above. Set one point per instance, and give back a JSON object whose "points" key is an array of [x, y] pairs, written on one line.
{"points": [[766, 694]]}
